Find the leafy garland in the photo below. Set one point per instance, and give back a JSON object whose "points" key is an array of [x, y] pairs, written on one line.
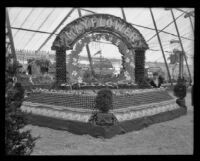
{"points": [[89, 92], [127, 55]]}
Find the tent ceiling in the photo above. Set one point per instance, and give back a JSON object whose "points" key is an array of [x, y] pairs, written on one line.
{"points": [[47, 19]]}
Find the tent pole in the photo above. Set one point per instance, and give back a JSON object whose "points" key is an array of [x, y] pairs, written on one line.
{"points": [[88, 10], [123, 13], [87, 48], [148, 27], [161, 45], [124, 17], [191, 24], [184, 11], [188, 14], [69, 13], [181, 45], [166, 27], [10, 36]]}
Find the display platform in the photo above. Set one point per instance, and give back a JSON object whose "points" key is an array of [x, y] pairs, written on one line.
{"points": [[71, 110]]}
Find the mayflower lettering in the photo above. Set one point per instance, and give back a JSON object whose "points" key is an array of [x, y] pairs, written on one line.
{"points": [[99, 23]]}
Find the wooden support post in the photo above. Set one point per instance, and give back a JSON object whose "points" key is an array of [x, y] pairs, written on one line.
{"points": [[181, 45], [161, 46]]}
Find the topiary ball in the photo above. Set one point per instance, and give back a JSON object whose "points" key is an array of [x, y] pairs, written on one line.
{"points": [[104, 100], [180, 88]]}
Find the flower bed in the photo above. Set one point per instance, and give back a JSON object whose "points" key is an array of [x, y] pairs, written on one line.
{"points": [[86, 98], [41, 81], [93, 92], [111, 85]]}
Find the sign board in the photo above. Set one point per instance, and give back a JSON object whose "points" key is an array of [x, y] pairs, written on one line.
{"points": [[99, 23]]}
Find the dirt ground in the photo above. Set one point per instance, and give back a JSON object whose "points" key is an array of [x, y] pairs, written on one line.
{"points": [[171, 137]]}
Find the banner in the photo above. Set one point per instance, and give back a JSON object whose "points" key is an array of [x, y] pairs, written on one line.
{"points": [[99, 23]]}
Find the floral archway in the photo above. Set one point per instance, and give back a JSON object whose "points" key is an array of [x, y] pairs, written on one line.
{"points": [[127, 55], [131, 41]]}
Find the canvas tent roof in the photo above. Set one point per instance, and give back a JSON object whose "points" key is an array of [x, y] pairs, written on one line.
{"points": [[32, 26]]}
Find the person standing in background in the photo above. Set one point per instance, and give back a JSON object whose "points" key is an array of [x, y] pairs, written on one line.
{"points": [[156, 81], [29, 71]]}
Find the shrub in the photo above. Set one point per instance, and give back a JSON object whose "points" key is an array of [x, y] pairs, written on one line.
{"points": [[104, 100], [16, 142], [180, 88], [43, 79]]}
